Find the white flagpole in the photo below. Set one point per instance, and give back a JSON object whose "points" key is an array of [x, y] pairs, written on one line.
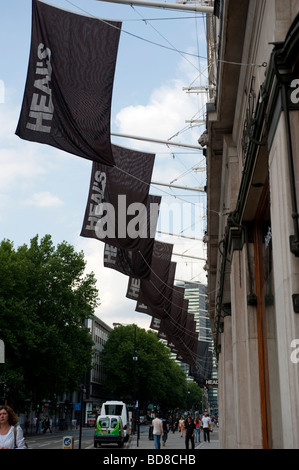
{"points": [[188, 256], [156, 141], [171, 6], [199, 189]]}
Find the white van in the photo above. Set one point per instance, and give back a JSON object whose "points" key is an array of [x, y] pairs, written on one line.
{"points": [[117, 408], [109, 429]]}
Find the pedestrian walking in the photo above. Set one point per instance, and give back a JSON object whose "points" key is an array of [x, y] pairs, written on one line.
{"points": [[35, 423], [174, 424], [206, 424], [157, 431], [189, 432], [181, 425], [47, 425], [165, 431], [11, 434], [197, 423], [39, 425]]}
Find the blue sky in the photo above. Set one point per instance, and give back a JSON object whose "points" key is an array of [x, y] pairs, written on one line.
{"points": [[44, 190]]}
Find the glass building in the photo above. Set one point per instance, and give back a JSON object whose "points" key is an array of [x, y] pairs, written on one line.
{"points": [[196, 294]]}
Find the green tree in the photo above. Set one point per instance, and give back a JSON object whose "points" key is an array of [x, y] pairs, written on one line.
{"points": [[194, 397], [45, 297], [157, 378]]}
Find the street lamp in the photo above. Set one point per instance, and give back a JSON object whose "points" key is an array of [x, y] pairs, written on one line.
{"points": [[82, 390], [136, 410], [135, 359]]}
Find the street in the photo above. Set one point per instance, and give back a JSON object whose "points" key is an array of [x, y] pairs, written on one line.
{"points": [[55, 440]]}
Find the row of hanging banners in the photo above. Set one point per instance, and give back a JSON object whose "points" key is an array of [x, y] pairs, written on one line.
{"points": [[67, 105]]}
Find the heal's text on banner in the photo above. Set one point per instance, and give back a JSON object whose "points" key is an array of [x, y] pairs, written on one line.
{"points": [[68, 92], [119, 211]]}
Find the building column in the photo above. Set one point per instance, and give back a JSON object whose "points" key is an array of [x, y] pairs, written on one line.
{"points": [[245, 358], [286, 280], [227, 411]]}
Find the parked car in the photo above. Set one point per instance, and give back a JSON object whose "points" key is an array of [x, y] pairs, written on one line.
{"points": [[109, 429]]}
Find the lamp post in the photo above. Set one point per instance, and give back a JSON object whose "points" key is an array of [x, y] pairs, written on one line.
{"points": [[82, 390], [135, 359], [136, 408]]}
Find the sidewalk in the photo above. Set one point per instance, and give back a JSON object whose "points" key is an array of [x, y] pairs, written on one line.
{"points": [[174, 441]]}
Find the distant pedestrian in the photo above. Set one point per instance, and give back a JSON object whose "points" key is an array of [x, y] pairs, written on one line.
{"points": [[165, 430], [47, 425], [189, 432], [157, 431], [39, 426], [197, 423], [206, 424], [35, 423], [174, 424], [181, 425]]}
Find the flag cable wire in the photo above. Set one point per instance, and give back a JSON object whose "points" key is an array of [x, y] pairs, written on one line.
{"points": [[149, 184], [220, 214], [163, 37], [198, 359], [194, 168], [163, 191], [193, 355], [164, 283], [68, 1], [181, 255], [188, 332], [134, 35]]}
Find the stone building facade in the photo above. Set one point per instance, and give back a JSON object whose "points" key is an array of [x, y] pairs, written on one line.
{"points": [[252, 231]]}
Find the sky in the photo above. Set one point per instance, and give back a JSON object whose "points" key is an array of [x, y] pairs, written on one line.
{"points": [[44, 190]]}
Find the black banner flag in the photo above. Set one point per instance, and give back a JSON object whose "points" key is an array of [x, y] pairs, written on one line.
{"points": [[136, 264], [170, 324], [153, 291], [117, 210], [150, 293], [202, 369], [178, 327], [68, 92]]}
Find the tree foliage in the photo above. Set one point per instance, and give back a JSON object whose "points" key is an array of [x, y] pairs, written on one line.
{"points": [[45, 297], [194, 397], [157, 378]]}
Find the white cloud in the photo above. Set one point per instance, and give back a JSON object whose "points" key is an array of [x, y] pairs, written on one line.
{"points": [[18, 167], [162, 117], [44, 199], [21, 162]]}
